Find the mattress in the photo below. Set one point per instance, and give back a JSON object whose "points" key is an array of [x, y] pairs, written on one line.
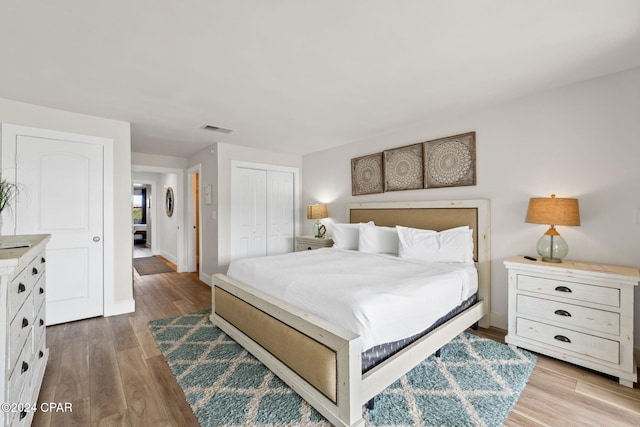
{"points": [[382, 298]]}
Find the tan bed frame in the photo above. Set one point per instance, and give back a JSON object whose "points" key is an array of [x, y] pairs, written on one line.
{"points": [[322, 362]]}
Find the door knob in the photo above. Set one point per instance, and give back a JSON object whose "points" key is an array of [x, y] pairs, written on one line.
{"points": [[96, 238]]}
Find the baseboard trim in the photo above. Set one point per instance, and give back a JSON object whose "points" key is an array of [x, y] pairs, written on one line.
{"points": [[206, 278]]}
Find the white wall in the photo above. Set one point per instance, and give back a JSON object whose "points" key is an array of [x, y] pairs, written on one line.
{"points": [[577, 141], [118, 297], [207, 159]]}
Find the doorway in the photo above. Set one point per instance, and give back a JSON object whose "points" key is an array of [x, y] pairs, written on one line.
{"points": [[142, 220], [194, 219], [68, 181]]}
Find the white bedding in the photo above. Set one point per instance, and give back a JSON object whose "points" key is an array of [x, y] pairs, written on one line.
{"points": [[382, 298]]}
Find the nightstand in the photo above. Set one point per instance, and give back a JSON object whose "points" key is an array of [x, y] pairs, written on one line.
{"points": [[574, 311], [308, 243]]}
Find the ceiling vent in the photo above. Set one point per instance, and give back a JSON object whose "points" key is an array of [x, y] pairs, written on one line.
{"points": [[216, 129]]}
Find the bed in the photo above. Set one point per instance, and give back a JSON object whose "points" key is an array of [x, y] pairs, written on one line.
{"points": [[323, 361]]}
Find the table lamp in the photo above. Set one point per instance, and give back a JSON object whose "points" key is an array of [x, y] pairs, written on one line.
{"points": [[317, 212], [553, 211]]}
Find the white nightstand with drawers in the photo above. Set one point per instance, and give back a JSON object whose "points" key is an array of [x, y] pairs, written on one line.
{"points": [[308, 243], [574, 311]]}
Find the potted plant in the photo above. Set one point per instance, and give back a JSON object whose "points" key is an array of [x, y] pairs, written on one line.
{"points": [[8, 192]]}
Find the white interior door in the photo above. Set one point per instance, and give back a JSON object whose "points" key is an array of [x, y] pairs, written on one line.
{"points": [[248, 213], [63, 196], [280, 209]]}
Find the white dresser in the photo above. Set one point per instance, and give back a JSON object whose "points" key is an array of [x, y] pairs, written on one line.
{"points": [[22, 327], [575, 311]]}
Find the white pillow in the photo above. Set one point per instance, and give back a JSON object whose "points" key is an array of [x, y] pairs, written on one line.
{"points": [[345, 236], [380, 240], [453, 245]]}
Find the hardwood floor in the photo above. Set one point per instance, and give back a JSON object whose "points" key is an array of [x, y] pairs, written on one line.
{"points": [[113, 374]]}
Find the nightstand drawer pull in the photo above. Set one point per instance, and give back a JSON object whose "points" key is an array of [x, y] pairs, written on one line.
{"points": [[563, 289], [25, 367], [23, 414], [562, 338], [25, 322], [34, 271], [21, 288], [562, 313]]}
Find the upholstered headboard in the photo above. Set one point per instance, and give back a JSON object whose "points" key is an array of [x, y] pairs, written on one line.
{"points": [[437, 219]]}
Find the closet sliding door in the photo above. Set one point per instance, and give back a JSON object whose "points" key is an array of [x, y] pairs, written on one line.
{"points": [[262, 210]]}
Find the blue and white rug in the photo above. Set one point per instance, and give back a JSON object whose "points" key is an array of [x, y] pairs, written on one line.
{"points": [[475, 382]]}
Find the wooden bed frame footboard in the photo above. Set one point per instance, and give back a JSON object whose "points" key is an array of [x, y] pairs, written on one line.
{"points": [[342, 406]]}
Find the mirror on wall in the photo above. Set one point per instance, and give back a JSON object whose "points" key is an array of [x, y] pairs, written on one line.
{"points": [[169, 202]]}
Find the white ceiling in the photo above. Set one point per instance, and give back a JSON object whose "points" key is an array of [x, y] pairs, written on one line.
{"points": [[299, 75]]}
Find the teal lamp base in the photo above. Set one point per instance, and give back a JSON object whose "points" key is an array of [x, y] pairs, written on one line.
{"points": [[552, 247], [319, 230]]}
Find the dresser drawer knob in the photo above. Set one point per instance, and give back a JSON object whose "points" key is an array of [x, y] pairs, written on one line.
{"points": [[309, 248], [562, 338], [25, 367], [21, 288], [41, 322], [562, 313], [42, 260], [25, 322], [34, 271], [23, 414], [41, 291], [40, 354], [563, 289]]}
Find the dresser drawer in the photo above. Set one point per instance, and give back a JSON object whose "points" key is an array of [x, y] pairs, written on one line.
{"points": [[578, 343], [39, 293], [570, 290], [19, 331], [569, 314], [40, 325], [19, 289], [21, 374]]}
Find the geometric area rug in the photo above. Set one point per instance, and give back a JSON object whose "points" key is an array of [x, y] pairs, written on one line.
{"points": [[475, 382]]}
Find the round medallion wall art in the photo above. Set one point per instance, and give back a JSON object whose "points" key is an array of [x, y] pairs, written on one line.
{"points": [[450, 162], [444, 162], [366, 174], [403, 168]]}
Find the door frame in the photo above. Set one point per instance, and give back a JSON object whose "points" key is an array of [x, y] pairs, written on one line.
{"points": [[10, 134], [181, 264], [190, 217]]}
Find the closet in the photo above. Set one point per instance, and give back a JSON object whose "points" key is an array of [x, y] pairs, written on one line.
{"points": [[262, 210]]}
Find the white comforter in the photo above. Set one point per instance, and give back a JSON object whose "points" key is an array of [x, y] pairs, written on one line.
{"points": [[380, 297]]}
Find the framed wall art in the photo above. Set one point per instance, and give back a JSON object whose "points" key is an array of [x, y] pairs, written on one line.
{"points": [[450, 162], [403, 168], [367, 175]]}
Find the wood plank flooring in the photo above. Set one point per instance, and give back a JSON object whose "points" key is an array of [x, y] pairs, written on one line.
{"points": [[112, 372]]}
